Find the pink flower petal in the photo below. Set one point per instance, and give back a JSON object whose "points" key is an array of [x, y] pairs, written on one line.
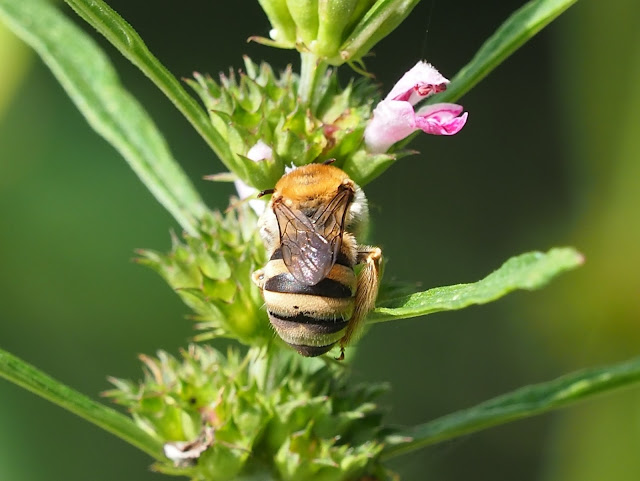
{"points": [[418, 83], [441, 119], [392, 121], [394, 118]]}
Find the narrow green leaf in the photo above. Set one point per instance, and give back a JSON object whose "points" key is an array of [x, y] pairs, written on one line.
{"points": [[523, 24], [526, 271], [91, 82], [122, 36], [522, 403], [28, 377]]}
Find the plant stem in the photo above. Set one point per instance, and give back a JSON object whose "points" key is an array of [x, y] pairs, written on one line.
{"points": [[311, 70], [34, 380]]}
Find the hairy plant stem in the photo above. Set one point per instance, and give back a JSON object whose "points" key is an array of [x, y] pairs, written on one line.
{"points": [[311, 70]]}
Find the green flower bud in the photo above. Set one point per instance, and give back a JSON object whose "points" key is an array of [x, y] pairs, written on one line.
{"points": [[336, 31], [305, 16], [379, 21], [267, 415], [284, 30], [334, 16], [259, 106]]}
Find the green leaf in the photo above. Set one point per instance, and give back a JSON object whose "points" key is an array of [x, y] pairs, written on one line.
{"points": [[91, 82], [522, 403], [526, 271], [28, 377], [122, 36], [511, 35]]}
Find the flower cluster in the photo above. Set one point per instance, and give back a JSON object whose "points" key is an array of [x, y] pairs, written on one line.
{"points": [[259, 416], [211, 273], [257, 109], [260, 116]]}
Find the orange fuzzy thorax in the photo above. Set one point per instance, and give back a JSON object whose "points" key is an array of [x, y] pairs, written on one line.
{"points": [[311, 183]]}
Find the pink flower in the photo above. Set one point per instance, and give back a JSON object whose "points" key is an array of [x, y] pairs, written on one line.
{"points": [[395, 118]]}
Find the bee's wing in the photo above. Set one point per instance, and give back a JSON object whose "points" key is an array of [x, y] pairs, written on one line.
{"points": [[329, 222], [306, 253], [310, 246]]}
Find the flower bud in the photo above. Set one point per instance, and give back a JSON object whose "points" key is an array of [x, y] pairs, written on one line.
{"points": [[336, 31], [334, 16], [283, 32], [305, 17]]}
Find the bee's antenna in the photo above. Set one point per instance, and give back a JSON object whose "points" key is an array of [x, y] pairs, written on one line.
{"points": [[328, 161], [266, 192]]}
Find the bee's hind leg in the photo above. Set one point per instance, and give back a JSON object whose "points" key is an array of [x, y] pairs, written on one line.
{"points": [[366, 291]]}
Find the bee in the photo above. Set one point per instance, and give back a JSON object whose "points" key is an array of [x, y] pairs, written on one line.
{"points": [[313, 296]]}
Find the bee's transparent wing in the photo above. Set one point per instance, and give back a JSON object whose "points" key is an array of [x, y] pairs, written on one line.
{"points": [[329, 222], [307, 254], [310, 246]]}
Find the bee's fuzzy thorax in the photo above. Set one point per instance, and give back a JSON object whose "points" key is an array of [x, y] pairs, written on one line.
{"points": [[311, 183]]}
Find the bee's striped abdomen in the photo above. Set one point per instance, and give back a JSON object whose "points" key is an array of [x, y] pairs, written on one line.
{"points": [[311, 319], [303, 333], [286, 283]]}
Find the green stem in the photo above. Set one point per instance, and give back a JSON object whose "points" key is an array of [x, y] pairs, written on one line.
{"points": [[34, 380], [311, 71], [122, 36]]}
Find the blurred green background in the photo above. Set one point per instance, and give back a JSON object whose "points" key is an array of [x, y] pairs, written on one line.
{"points": [[550, 156]]}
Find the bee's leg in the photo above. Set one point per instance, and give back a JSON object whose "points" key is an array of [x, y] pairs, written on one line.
{"points": [[366, 291]]}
